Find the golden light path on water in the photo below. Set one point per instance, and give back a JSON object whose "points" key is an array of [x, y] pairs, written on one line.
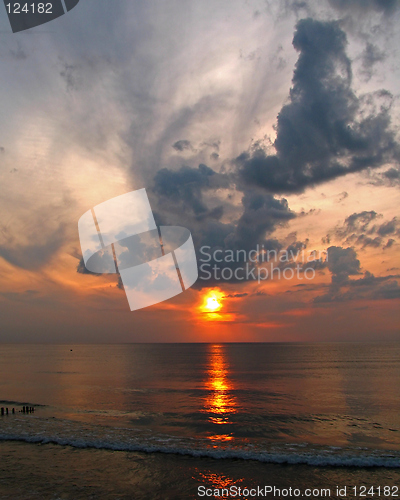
{"points": [[219, 403]]}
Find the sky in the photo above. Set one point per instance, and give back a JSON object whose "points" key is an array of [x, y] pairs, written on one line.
{"points": [[269, 127]]}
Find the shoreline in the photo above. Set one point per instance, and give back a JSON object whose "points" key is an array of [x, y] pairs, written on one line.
{"points": [[50, 471], [310, 458]]}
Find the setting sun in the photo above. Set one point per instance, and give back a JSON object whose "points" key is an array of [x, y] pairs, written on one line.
{"points": [[212, 301], [212, 304]]}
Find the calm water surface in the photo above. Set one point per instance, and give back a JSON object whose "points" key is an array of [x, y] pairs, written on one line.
{"points": [[317, 404]]}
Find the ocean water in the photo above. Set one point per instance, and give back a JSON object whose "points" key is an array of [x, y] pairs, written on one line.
{"points": [[182, 415]]}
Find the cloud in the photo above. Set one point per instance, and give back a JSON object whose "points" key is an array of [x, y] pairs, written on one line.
{"points": [[390, 177], [81, 268], [321, 135], [180, 197], [371, 55], [389, 243], [71, 75], [361, 229], [184, 187], [386, 6], [393, 174], [390, 290], [389, 227], [235, 295], [262, 212], [366, 241], [368, 287], [181, 193], [343, 196], [320, 132], [356, 7], [36, 253], [182, 145], [343, 263], [357, 222]]}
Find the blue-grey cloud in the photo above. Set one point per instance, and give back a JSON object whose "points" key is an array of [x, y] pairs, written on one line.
{"points": [[387, 6], [344, 263], [371, 55], [362, 229], [182, 144], [319, 133]]}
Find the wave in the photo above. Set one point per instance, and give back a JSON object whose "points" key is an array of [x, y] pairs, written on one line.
{"points": [[309, 457]]}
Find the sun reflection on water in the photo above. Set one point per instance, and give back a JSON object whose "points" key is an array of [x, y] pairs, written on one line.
{"points": [[220, 404]]}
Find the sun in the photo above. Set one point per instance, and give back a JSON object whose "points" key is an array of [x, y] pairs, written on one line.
{"points": [[212, 304], [212, 301]]}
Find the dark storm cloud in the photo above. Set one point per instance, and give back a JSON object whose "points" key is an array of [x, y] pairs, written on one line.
{"points": [[262, 212], [320, 136], [180, 197], [184, 187], [181, 193], [319, 133]]}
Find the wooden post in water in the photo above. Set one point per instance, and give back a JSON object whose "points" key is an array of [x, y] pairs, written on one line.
{"points": [[13, 411], [2, 410]]}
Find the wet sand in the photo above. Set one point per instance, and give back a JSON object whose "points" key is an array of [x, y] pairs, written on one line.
{"points": [[48, 471]]}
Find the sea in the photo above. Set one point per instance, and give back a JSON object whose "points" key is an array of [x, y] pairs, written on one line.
{"points": [[183, 421]]}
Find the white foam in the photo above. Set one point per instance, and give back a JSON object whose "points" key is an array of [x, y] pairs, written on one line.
{"points": [[311, 457]]}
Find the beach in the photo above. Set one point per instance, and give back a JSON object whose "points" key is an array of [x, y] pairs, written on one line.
{"points": [[63, 472]]}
